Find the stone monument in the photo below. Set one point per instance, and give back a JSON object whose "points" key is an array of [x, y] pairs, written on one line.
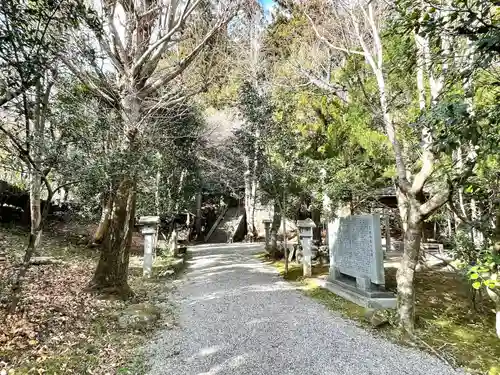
{"points": [[149, 226], [357, 261], [306, 235]]}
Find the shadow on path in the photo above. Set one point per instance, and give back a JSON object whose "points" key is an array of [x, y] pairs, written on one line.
{"points": [[237, 316]]}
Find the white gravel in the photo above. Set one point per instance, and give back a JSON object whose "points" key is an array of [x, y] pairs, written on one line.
{"points": [[237, 317]]}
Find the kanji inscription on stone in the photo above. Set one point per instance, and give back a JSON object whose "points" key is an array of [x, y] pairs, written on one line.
{"points": [[356, 248]]}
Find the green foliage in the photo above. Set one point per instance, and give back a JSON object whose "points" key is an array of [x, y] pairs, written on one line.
{"points": [[464, 248], [486, 272], [170, 148], [335, 139], [284, 36], [32, 34]]}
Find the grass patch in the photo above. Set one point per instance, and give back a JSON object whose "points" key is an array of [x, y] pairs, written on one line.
{"points": [[449, 321], [446, 318], [335, 303]]}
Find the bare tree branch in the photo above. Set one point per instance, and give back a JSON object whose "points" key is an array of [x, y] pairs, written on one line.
{"points": [[93, 84], [330, 44], [323, 84], [161, 44], [152, 87]]}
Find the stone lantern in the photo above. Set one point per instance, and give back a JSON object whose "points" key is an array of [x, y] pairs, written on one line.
{"points": [[306, 235], [149, 227]]}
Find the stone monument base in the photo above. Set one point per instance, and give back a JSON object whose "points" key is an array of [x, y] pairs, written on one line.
{"points": [[374, 298]]}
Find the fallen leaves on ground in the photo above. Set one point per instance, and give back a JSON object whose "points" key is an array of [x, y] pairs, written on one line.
{"points": [[58, 328]]}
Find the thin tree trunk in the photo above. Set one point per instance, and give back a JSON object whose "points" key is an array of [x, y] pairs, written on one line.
{"points": [[403, 208], [157, 208], [30, 251], [496, 234], [387, 225], [249, 202], [189, 226], [37, 135], [198, 214], [35, 207], [182, 180], [255, 182], [468, 86], [157, 192], [285, 240], [448, 222], [275, 225], [169, 183], [475, 215], [66, 195], [34, 167], [493, 294], [316, 217]]}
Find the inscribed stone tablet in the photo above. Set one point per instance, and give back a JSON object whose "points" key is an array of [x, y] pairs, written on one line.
{"points": [[355, 247]]}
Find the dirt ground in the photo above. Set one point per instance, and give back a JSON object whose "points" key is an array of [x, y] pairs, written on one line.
{"points": [[58, 327]]}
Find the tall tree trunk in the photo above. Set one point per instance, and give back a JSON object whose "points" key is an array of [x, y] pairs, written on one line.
{"points": [[411, 201], [406, 273], [102, 229], [37, 135], [35, 165], [112, 270]]}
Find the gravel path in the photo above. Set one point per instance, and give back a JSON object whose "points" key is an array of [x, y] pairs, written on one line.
{"points": [[238, 317]]}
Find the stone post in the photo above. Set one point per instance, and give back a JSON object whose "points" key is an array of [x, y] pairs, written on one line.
{"points": [[149, 225], [306, 236], [267, 226]]}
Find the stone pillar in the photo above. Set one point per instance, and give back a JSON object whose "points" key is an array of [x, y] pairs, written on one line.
{"points": [[267, 227], [147, 265], [306, 236], [149, 226]]}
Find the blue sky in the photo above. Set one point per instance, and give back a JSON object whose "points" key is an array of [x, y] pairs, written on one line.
{"points": [[268, 4]]}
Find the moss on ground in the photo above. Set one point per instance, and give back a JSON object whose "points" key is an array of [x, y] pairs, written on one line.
{"points": [[447, 320]]}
